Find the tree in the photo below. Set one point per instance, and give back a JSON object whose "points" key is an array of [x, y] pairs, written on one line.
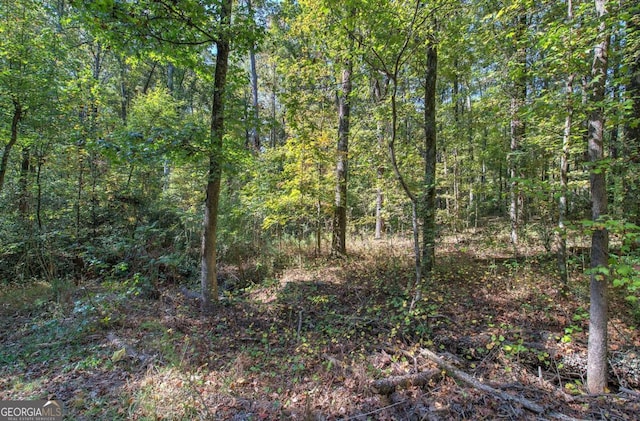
{"points": [[253, 75], [518, 96], [430, 141], [632, 123], [564, 156], [182, 31], [338, 244], [391, 57], [26, 68], [598, 317], [209, 270]]}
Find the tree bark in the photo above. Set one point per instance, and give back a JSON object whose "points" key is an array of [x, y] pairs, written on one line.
{"points": [[517, 129], [378, 96], [255, 127], [412, 197], [564, 183], [388, 385], [564, 167], [428, 207], [24, 199], [15, 121], [209, 280], [632, 127], [597, 346], [338, 243], [379, 203]]}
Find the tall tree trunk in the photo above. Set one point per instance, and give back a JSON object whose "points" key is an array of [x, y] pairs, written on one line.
{"points": [[273, 141], [564, 183], [124, 94], [209, 280], [255, 127], [80, 188], [378, 96], [405, 187], [597, 347], [171, 69], [428, 206], [338, 243], [564, 166], [39, 191], [15, 121], [517, 129], [25, 167], [632, 127], [166, 165]]}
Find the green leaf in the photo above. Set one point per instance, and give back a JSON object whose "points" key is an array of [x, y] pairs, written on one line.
{"points": [[119, 355]]}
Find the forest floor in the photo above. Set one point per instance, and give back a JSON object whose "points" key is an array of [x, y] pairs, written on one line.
{"points": [[310, 342]]}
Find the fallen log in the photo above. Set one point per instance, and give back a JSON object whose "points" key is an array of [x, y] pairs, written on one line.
{"points": [[388, 385], [466, 378]]}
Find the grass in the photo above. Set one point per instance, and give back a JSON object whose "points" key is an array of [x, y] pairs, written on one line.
{"points": [[308, 342]]}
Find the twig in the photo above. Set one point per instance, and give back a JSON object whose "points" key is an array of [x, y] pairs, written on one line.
{"points": [[199, 396], [299, 325], [630, 392], [374, 411]]}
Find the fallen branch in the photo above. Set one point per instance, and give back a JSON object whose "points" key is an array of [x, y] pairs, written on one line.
{"points": [[388, 385], [360, 416], [190, 294], [462, 376], [630, 392]]}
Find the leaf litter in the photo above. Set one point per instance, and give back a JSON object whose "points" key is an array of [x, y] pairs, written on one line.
{"points": [[310, 344]]}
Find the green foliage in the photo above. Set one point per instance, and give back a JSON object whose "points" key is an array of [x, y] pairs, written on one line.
{"points": [[581, 315]]}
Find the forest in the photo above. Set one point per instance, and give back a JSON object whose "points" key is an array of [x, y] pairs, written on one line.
{"points": [[321, 209]]}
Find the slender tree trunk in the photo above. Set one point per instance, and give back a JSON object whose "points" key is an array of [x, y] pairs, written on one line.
{"points": [[171, 69], [15, 121], [564, 166], [429, 196], [396, 169], [25, 167], [378, 96], [78, 206], [517, 129], [564, 183], [39, 192], [209, 271], [415, 225], [124, 95], [338, 244], [632, 128], [274, 124], [379, 203], [255, 127], [166, 165], [598, 314], [456, 189], [445, 174]]}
